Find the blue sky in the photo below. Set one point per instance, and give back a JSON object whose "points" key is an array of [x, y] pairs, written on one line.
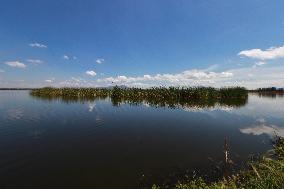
{"points": [[141, 43]]}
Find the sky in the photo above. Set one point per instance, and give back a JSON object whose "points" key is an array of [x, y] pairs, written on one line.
{"points": [[141, 43]]}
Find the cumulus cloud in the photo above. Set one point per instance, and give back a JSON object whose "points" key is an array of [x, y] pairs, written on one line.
{"points": [[100, 60], [249, 77], [37, 45], [35, 61], [16, 64], [91, 73], [268, 54], [261, 127], [68, 57], [65, 57], [189, 76]]}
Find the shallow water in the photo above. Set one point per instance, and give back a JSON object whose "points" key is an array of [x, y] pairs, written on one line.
{"points": [[93, 144]]}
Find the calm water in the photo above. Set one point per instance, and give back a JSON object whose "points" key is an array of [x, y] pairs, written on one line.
{"points": [[54, 144]]}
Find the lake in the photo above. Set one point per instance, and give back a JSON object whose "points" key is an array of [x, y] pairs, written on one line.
{"points": [[94, 144]]}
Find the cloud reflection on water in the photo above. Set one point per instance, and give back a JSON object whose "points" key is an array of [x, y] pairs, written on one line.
{"points": [[261, 127], [91, 106]]}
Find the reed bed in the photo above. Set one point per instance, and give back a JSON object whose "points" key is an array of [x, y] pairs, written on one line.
{"points": [[71, 92], [157, 96]]}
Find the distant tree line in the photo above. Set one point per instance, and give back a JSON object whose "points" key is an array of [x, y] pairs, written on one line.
{"points": [[16, 89], [270, 89]]}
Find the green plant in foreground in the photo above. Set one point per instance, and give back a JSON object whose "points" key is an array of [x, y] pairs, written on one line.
{"points": [[266, 173]]}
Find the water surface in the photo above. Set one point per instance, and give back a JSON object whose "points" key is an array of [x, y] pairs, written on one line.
{"points": [[93, 144]]}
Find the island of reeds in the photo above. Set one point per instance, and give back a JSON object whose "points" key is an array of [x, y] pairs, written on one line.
{"points": [[156, 96]]}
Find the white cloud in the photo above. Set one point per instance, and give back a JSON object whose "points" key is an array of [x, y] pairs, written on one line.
{"points": [[268, 54], [255, 77], [16, 64], [91, 73], [50, 80], [65, 57], [260, 63], [100, 60], [37, 45], [68, 57], [2, 71], [249, 77], [194, 77], [35, 61]]}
